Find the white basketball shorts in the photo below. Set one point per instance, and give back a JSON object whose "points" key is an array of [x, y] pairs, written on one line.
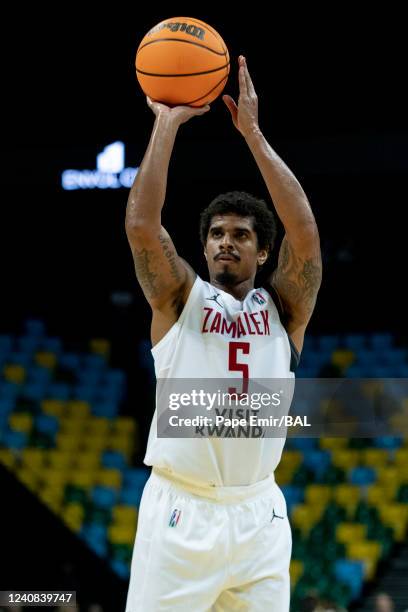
{"points": [[217, 549]]}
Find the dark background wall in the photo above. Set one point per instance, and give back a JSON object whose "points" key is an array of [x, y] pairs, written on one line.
{"points": [[330, 102]]}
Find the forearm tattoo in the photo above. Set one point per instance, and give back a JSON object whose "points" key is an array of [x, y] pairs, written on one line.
{"points": [[145, 275], [298, 279], [171, 257]]}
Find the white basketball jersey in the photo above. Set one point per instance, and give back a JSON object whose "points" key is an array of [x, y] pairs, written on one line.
{"points": [[215, 337]]}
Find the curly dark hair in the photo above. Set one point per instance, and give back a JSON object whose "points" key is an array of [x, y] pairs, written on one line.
{"points": [[244, 205]]}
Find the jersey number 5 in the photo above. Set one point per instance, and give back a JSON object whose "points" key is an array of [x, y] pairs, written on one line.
{"points": [[234, 366]]}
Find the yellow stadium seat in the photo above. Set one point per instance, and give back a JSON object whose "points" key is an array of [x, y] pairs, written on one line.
{"points": [[53, 407], [87, 460], [52, 477], [33, 458], [76, 427], [21, 422], [77, 409], [8, 458], [343, 358], [345, 458], [123, 443], [98, 426], [52, 497], [296, 571], [73, 516], [101, 346], [350, 532], [374, 457], [347, 496], [60, 460], [14, 373], [318, 494], [291, 459], [28, 477], [109, 477], [305, 517], [46, 359], [282, 476], [368, 551], [68, 441], [389, 475], [377, 494], [119, 534], [124, 515], [85, 480], [333, 444], [95, 444], [396, 516], [401, 457], [124, 425]]}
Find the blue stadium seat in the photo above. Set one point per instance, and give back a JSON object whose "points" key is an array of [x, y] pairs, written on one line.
{"points": [[27, 344], [114, 459], [350, 573], [38, 374], [388, 442], [307, 372], [52, 345], [7, 405], [303, 444], [354, 342], [135, 477], [13, 439], [394, 356], [59, 391], [87, 393], [105, 408], [89, 377], [6, 344], [70, 361], [19, 358], [361, 475], [384, 371], [368, 357], [131, 496], [9, 390], [94, 362], [358, 371], [34, 391], [381, 341], [120, 568], [293, 495], [317, 460], [104, 497], [328, 343], [34, 327], [46, 424]]}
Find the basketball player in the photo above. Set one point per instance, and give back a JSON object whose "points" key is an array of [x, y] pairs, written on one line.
{"points": [[213, 532]]}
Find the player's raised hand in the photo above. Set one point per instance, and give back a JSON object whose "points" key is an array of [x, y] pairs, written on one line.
{"points": [[245, 115], [178, 114]]}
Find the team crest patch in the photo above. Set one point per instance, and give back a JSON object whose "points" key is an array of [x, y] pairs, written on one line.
{"points": [[175, 517], [259, 298]]}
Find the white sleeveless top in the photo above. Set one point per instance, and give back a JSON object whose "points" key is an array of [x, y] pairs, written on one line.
{"points": [[198, 346]]}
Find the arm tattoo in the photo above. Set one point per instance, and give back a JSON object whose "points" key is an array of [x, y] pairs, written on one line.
{"points": [[144, 273], [170, 254], [298, 279]]}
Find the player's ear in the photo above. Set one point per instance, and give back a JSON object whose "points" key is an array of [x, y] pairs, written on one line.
{"points": [[205, 253], [262, 257]]}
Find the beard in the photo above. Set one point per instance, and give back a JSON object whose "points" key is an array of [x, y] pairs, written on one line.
{"points": [[226, 278]]}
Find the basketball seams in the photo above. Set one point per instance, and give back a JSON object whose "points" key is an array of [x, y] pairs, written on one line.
{"points": [[207, 93], [155, 74], [190, 42]]}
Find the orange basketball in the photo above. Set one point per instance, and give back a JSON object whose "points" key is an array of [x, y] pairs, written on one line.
{"points": [[182, 60]]}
